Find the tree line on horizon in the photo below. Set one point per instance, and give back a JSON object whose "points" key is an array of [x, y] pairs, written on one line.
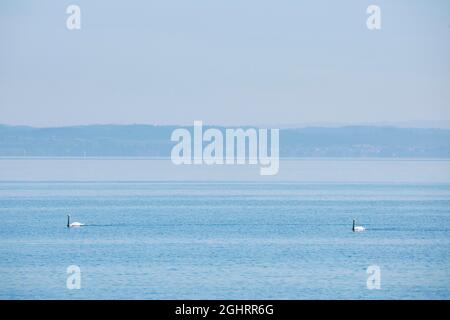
{"points": [[154, 141]]}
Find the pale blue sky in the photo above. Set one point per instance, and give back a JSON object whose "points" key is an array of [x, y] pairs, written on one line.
{"points": [[229, 62]]}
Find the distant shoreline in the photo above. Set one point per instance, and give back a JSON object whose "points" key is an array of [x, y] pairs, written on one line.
{"points": [[154, 142], [168, 158]]}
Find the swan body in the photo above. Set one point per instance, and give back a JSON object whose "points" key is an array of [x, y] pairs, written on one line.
{"points": [[76, 224], [357, 228], [73, 224]]}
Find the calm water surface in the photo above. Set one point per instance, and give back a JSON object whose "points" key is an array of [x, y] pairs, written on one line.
{"points": [[169, 240]]}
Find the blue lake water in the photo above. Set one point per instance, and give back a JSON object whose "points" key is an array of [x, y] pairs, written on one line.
{"points": [[173, 240]]}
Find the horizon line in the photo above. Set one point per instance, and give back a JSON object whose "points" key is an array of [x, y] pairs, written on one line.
{"points": [[391, 124]]}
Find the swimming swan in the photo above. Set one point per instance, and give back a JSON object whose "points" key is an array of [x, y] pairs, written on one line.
{"points": [[73, 224], [357, 228]]}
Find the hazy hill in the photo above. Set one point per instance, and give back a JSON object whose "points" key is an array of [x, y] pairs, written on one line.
{"points": [[148, 140]]}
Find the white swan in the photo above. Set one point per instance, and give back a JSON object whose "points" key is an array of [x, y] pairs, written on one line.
{"points": [[357, 228], [73, 224]]}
